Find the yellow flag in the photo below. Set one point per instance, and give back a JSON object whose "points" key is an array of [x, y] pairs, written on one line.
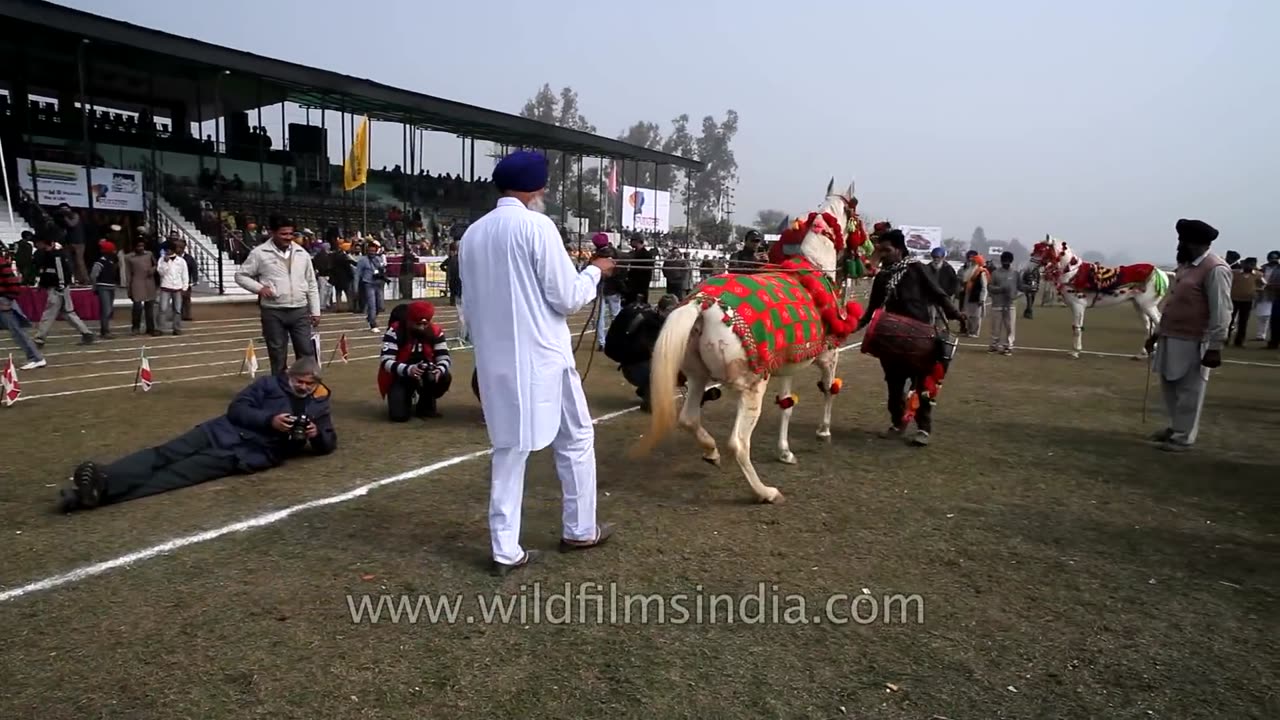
{"points": [[356, 167], [251, 360]]}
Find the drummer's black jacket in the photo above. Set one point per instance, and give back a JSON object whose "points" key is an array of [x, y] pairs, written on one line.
{"points": [[915, 294]]}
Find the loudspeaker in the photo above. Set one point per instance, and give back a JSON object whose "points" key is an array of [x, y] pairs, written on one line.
{"points": [[307, 139]]}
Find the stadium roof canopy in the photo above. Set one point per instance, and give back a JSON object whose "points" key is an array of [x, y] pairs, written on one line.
{"points": [[128, 63]]}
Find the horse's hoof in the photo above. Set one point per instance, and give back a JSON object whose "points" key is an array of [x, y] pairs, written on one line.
{"points": [[776, 499], [712, 460], [1075, 355], [787, 457], [824, 435]]}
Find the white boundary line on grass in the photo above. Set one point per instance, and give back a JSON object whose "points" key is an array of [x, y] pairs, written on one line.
{"points": [[271, 518], [256, 521], [262, 520], [1016, 348], [351, 347], [178, 342], [251, 321], [132, 343], [82, 391]]}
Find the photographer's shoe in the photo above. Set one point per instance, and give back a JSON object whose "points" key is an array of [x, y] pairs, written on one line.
{"points": [[89, 483], [427, 410]]}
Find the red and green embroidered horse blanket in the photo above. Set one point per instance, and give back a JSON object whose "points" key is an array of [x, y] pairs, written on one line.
{"points": [[777, 318], [1101, 278]]}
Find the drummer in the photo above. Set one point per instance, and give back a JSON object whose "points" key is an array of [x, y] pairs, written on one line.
{"points": [[903, 287]]}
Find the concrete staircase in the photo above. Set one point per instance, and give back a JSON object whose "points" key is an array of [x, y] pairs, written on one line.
{"points": [[206, 253], [11, 232]]}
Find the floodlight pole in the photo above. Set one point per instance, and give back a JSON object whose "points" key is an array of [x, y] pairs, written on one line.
{"points": [[262, 171], [5, 174], [84, 116], [368, 161], [564, 171]]}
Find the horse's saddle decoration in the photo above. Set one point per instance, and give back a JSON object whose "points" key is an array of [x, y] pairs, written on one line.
{"points": [[784, 315], [1093, 277]]}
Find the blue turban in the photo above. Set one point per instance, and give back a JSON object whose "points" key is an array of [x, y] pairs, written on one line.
{"points": [[523, 171], [938, 252]]}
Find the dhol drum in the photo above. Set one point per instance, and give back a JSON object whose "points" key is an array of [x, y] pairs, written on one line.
{"points": [[900, 339]]}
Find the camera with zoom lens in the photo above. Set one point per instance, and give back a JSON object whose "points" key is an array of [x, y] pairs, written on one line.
{"points": [[298, 429]]}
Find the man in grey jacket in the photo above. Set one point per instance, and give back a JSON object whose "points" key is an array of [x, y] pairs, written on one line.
{"points": [[280, 272], [1004, 295]]}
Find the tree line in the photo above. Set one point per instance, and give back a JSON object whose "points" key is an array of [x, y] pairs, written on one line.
{"points": [[704, 193]]}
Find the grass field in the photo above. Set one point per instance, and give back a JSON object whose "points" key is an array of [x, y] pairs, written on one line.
{"points": [[1064, 568]]}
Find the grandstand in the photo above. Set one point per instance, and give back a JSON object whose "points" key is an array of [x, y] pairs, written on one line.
{"points": [[112, 115]]}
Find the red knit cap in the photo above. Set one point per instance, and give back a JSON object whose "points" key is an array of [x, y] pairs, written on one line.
{"points": [[420, 312]]}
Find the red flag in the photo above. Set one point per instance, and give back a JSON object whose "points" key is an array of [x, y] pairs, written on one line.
{"points": [[144, 372], [9, 384], [343, 350]]}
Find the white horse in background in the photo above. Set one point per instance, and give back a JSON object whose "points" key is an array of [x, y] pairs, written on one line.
{"points": [[699, 340], [1083, 285]]}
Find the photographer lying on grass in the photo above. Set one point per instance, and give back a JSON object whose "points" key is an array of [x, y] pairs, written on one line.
{"points": [[273, 419]]}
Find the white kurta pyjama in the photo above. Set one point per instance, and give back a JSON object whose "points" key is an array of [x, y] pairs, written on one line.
{"points": [[519, 289]]}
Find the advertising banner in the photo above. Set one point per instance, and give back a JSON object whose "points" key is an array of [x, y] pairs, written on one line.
{"points": [[646, 209], [921, 240], [58, 183]]}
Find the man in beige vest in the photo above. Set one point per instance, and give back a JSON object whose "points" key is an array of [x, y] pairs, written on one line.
{"points": [[1192, 330]]}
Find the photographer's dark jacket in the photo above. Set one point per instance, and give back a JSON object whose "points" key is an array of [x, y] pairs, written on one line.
{"points": [[246, 428]]}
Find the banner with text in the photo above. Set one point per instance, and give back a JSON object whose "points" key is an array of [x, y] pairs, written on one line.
{"points": [[921, 240], [57, 183], [115, 189], [646, 209]]}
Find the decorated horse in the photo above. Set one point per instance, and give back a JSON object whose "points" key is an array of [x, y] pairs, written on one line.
{"points": [[1083, 285], [740, 330]]}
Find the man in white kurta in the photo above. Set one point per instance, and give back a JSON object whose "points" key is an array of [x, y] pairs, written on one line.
{"points": [[519, 289]]}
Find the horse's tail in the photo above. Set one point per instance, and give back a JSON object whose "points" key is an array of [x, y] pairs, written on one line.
{"points": [[664, 371]]}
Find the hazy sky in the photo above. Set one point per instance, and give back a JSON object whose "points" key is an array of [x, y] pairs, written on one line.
{"points": [[1099, 122]]}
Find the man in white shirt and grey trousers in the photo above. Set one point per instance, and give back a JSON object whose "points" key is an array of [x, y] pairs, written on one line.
{"points": [[280, 272], [175, 281]]}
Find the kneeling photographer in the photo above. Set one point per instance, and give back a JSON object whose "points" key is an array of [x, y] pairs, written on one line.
{"points": [[273, 419], [414, 367], [630, 343]]}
